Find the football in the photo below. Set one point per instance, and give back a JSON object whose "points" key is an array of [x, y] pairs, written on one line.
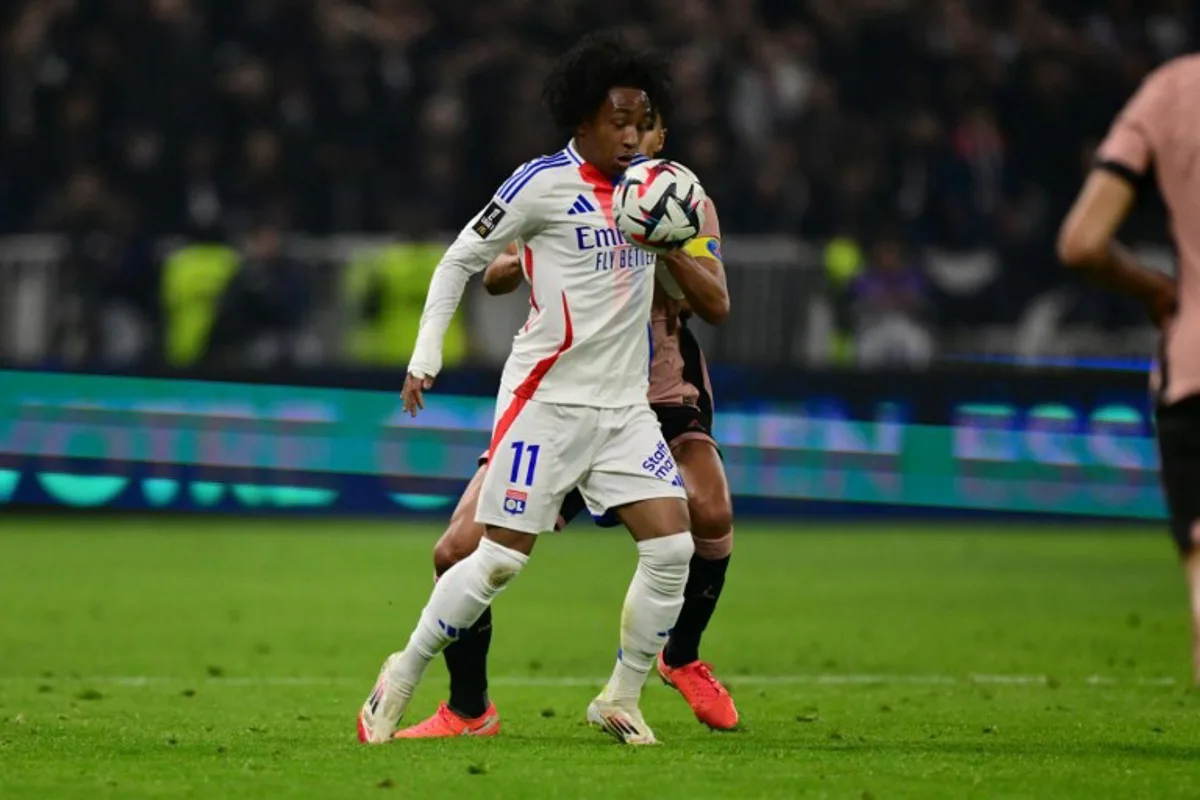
{"points": [[658, 205]]}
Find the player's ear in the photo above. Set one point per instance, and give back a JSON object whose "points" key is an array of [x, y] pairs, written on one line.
{"points": [[596, 120], [584, 127]]}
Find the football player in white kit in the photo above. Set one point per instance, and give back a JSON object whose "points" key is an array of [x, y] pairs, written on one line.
{"points": [[572, 410]]}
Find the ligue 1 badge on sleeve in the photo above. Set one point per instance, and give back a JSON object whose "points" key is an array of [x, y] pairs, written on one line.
{"points": [[488, 220]]}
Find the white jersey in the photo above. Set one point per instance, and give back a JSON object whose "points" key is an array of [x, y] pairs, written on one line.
{"points": [[587, 340]]}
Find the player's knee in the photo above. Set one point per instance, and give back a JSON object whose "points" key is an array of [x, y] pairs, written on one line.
{"points": [[712, 527], [501, 563], [444, 556], [456, 544], [712, 518], [666, 560]]}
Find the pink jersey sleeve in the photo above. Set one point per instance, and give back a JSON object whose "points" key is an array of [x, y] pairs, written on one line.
{"points": [[1131, 141]]}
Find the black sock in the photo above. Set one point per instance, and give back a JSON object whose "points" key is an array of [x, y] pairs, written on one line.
{"points": [[466, 659], [705, 580]]}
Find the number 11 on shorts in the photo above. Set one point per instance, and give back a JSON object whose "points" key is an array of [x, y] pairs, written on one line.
{"points": [[520, 450]]}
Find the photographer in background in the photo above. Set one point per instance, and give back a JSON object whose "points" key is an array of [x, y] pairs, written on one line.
{"points": [[888, 307], [260, 312]]}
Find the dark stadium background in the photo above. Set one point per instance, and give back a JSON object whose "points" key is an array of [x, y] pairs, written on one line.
{"points": [[258, 191], [217, 223]]}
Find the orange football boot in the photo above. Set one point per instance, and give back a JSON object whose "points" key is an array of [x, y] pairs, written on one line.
{"points": [[710, 701], [445, 723]]}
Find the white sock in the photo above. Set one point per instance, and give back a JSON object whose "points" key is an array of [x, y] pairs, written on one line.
{"points": [[458, 600], [651, 607]]}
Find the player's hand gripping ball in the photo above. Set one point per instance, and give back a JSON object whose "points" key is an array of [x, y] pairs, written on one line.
{"points": [[659, 205]]}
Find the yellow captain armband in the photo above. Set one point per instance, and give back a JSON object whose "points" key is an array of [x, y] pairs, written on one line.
{"points": [[703, 247]]}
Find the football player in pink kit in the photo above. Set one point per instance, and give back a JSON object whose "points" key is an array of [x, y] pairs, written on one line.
{"points": [[681, 397], [1159, 130], [572, 410]]}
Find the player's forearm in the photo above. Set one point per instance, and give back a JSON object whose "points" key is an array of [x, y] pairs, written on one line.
{"points": [[445, 293], [1115, 268], [1087, 243], [703, 288]]}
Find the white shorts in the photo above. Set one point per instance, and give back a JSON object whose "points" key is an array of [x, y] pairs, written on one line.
{"points": [[541, 451]]}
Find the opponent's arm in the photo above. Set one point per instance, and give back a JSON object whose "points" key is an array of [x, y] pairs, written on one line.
{"points": [[699, 271], [504, 274], [1087, 240]]}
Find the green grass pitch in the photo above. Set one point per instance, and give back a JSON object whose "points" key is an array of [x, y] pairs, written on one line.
{"points": [[187, 657]]}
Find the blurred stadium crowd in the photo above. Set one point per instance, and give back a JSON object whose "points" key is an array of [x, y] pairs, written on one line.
{"points": [[887, 129]]}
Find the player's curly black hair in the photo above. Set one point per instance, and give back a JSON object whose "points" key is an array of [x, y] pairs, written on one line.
{"points": [[583, 76]]}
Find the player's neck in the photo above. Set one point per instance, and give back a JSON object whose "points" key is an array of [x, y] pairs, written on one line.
{"points": [[591, 159], [573, 149]]}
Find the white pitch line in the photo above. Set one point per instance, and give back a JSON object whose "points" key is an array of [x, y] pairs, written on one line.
{"points": [[533, 681]]}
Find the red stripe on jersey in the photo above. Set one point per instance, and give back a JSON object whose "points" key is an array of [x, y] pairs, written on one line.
{"points": [[524, 392], [529, 276], [602, 187]]}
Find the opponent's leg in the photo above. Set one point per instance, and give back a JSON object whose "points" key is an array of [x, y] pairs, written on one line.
{"points": [[711, 511], [1178, 434], [652, 603]]}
